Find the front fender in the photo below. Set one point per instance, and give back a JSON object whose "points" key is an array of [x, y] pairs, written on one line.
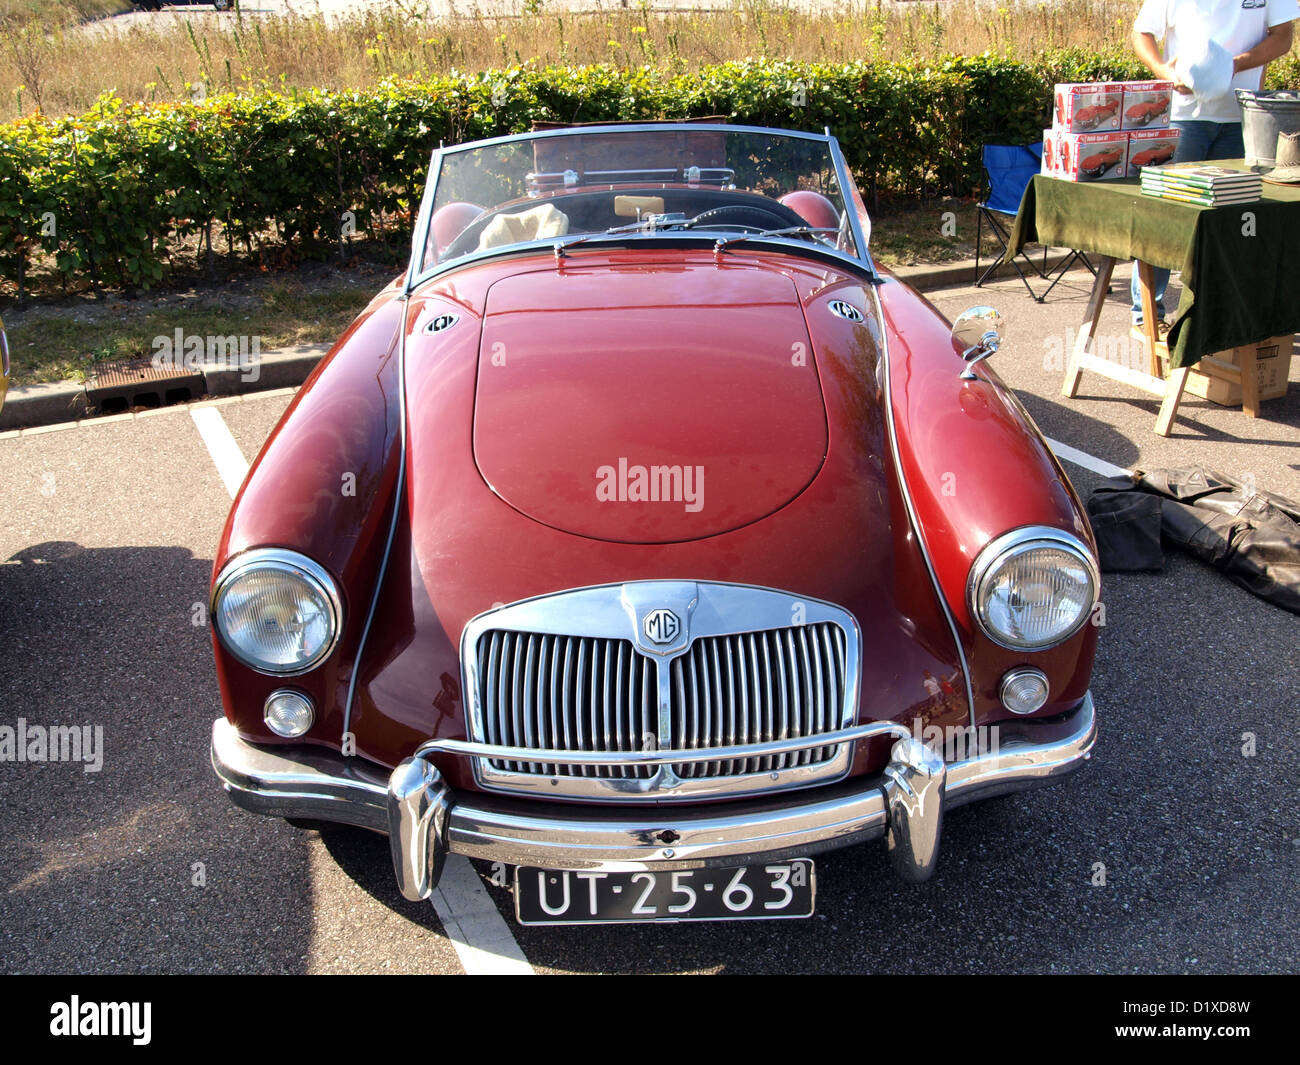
{"points": [[976, 467], [324, 484]]}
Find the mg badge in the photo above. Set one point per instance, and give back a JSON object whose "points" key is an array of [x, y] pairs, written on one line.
{"points": [[845, 310], [443, 321], [662, 626]]}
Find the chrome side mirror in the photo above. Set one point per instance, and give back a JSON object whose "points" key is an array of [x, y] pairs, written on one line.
{"points": [[978, 332]]}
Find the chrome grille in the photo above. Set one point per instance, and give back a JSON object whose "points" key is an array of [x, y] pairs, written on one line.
{"points": [[756, 687], [596, 670], [565, 693]]}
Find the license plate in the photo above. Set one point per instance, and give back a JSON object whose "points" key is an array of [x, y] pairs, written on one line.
{"points": [[751, 892]]}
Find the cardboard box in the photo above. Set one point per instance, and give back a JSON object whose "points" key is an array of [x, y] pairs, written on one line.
{"points": [[1091, 156], [1209, 380], [1049, 153], [1151, 147], [1088, 107], [1146, 104]]}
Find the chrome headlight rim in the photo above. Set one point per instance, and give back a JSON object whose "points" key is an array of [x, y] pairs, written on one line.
{"points": [[286, 561], [1003, 548]]}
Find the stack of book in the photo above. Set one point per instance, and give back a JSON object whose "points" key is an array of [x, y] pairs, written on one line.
{"points": [[1201, 183]]}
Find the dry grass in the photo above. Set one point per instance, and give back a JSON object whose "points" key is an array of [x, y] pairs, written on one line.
{"points": [[907, 234], [53, 12], [48, 69], [63, 339]]}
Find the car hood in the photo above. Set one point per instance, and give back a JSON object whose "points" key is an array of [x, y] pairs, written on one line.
{"points": [[647, 404], [464, 548]]}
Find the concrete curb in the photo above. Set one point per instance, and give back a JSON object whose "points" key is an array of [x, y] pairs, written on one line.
{"points": [[962, 272], [65, 401], [31, 406]]}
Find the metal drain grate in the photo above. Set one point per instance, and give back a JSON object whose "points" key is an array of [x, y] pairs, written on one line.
{"points": [[127, 383]]}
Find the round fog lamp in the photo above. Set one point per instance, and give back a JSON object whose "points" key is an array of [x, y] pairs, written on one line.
{"points": [[1024, 691], [288, 714]]}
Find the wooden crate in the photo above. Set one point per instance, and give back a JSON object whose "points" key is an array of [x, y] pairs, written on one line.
{"points": [[1214, 377]]}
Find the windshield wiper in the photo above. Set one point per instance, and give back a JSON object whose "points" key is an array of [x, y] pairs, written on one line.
{"points": [[789, 231], [662, 223], [648, 224]]}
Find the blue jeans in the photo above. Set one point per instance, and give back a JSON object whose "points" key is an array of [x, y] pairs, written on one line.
{"points": [[1200, 141]]}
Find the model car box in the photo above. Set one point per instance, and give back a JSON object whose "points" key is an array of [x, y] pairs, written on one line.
{"points": [[1049, 153], [1211, 379], [1146, 104], [1088, 107], [1151, 147], [1091, 156]]}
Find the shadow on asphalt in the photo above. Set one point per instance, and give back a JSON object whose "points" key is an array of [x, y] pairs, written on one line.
{"points": [[365, 858], [143, 866], [1069, 425]]}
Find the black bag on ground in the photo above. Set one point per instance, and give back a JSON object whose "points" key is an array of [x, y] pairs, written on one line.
{"points": [[1127, 526], [1251, 535]]}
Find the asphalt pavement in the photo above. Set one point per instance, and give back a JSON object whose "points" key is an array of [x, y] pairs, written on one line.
{"points": [[1172, 851]]}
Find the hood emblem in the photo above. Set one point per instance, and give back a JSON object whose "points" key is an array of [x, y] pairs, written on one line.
{"points": [[661, 626], [845, 310], [443, 321]]}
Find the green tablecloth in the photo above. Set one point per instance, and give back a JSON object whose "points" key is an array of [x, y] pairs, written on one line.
{"points": [[1241, 278]]}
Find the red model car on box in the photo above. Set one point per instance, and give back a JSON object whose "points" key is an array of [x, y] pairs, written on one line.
{"points": [[1095, 165], [1091, 117], [1146, 112], [647, 537], [1152, 156]]}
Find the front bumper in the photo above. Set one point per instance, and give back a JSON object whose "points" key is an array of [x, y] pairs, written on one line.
{"points": [[425, 820]]}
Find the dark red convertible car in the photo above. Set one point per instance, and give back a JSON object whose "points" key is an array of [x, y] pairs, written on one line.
{"points": [[647, 537]]}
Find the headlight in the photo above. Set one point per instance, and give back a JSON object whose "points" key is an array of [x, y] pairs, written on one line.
{"points": [[1033, 588], [276, 611]]}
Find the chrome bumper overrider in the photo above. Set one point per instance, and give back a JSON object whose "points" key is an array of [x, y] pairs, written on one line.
{"points": [[425, 820]]}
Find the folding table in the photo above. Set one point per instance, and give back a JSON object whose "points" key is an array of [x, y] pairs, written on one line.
{"points": [[1240, 273]]}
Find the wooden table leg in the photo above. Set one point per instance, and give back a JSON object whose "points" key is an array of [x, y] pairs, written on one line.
{"points": [[1249, 380], [1175, 383], [1150, 325], [1088, 328]]}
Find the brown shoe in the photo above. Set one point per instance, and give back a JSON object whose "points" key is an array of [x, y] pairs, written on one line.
{"points": [[1162, 330]]}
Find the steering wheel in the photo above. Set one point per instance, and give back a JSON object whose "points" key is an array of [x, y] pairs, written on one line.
{"points": [[747, 216]]}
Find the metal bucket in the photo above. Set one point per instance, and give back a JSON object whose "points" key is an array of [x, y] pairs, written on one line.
{"points": [[1263, 116]]}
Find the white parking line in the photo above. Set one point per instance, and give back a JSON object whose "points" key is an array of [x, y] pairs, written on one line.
{"points": [[230, 462], [483, 941], [474, 925], [1086, 461]]}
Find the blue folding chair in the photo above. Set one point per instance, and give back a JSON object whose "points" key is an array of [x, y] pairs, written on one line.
{"points": [[1009, 169]]}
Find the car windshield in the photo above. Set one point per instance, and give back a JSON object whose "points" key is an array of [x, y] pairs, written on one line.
{"points": [[592, 182]]}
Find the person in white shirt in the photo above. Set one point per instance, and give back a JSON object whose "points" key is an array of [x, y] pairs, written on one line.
{"points": [[1200, 37]]}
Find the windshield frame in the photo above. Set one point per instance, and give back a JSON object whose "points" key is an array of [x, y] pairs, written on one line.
{"points": [[417, 274]]}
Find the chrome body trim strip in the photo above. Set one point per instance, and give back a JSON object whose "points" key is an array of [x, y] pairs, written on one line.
{"points": [[399, 498], [907, 802], [423, 223], [734, 753], [845, 180], [886, 385]]}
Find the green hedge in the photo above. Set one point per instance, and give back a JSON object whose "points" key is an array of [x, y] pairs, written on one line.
{"points": [[109, 193]]}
